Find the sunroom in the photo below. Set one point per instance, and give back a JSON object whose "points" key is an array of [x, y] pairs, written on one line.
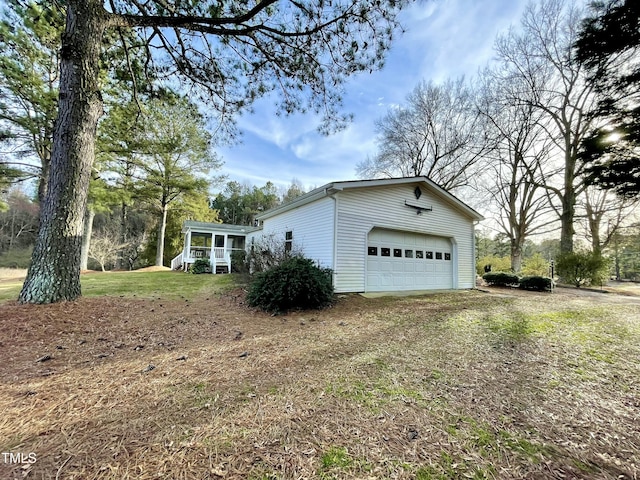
{"points": [[214, 242]]}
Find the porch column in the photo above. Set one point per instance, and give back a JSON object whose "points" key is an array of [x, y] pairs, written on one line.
{"points": [[227, 253], [187, 244], [187, 249], [212, 253]]}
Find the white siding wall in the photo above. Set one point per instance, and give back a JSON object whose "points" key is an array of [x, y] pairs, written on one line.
{"points": [[312, 226], [359, 210], [251, 238]]}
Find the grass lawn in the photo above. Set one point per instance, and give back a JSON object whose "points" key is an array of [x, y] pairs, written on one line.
{"points": [[184, 381], [132, 284]]}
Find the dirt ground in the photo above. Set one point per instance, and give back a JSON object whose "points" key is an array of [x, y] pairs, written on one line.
{"points": [[371, 388]]}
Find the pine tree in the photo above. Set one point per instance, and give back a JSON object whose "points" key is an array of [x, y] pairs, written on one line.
{"points": [[229, 53], [608, 45]]}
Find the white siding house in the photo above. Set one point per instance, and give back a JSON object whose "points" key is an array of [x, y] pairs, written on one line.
{"points": [[381, 235]]}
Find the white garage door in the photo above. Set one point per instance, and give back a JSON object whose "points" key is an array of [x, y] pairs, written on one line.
{"points": [[407, 261]]}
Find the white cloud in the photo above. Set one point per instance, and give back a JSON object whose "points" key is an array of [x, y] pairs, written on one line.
{"points": [[449, 38], [443, 39], [280, 131]]}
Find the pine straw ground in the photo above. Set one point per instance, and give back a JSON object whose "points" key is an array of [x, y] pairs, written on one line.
{"points": [[445, 386]]}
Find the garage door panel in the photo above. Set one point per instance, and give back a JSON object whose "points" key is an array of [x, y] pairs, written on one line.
{"points": [[415, 261]]}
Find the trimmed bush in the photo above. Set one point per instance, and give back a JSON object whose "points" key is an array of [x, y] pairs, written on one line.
{"points": [[582, 268], [535, 282], [200, 266], [501, 279], [297, 283]]}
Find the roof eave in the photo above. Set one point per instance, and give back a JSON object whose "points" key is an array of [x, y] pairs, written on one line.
{"points": [[334, 187]]}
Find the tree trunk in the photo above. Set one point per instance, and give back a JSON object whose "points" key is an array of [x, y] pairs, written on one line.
{"points": [[616, 251], [161, 229], [54, 274], [516, 258], [569, 195], [594, 218], [44, 180], [123, 235], [86, 237]]}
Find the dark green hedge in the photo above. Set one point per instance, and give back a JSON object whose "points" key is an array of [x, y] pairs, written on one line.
{"points": [[505, 279], [501, 279], [540, 284], [297, 283]]}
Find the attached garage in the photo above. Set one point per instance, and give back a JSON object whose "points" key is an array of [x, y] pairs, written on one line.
{"points": [[401, 260]]}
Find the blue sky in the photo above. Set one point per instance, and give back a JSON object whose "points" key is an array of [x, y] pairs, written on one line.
{"points": [[442, 39]]}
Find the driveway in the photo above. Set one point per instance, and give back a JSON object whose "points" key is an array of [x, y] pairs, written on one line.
{"points": [[618, 293]]}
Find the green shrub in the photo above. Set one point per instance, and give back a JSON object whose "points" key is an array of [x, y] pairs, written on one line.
{"points": [[498, 264], [297, 283], [582, 268], [535, 265], [200, 266], [239, 263], [536, 282], [501, 279]]}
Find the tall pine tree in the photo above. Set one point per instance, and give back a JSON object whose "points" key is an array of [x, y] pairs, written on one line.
{"points": [[608, 45]]}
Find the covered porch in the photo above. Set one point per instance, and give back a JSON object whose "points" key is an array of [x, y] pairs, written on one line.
{"points": [[214, 242]]}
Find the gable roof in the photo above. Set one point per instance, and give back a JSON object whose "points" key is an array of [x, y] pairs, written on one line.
{"points": [[334, 187]]}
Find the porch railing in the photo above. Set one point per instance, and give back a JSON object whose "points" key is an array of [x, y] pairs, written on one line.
{"points": [[177, 262], [200, 252], [221, 256]]}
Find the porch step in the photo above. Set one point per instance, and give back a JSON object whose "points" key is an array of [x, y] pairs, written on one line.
{"points": [[222, 269]]}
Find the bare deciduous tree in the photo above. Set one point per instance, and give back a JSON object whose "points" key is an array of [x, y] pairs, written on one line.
{"points": [[538, 64], [604, 208], [513, 177], [438, 133], [105, 247]]}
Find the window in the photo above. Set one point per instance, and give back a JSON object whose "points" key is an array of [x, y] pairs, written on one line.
{"points": [[200, 240], [372, 251], [419, 254], [429, 255], [408, 254], [438, 255], [385, 252], [447, 256], [397, 252], [288, 241]]}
